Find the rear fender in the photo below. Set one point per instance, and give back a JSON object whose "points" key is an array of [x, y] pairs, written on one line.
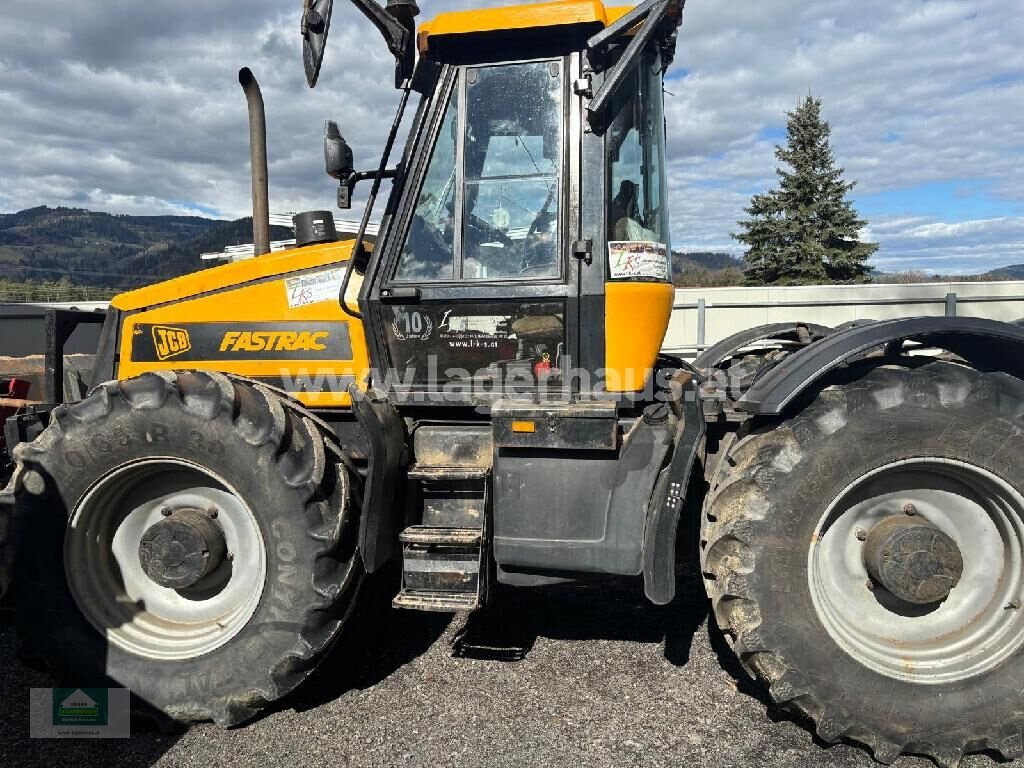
{"points": [[803, 333], [987, 344]]}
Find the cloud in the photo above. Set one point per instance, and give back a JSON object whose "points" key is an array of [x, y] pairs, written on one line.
{"points": [[135, 107], [917, 93]]}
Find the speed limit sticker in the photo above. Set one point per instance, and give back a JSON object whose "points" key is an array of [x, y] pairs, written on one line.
{"points": [[314, 287]]}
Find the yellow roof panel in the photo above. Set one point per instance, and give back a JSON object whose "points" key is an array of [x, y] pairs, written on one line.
{"points": [[512, 17]]}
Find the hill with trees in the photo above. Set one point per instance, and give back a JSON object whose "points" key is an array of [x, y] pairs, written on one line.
{"points": [[117, 252]]}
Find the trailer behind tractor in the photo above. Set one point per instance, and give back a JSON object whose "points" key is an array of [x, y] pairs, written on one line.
{"points": [[480, 396]]}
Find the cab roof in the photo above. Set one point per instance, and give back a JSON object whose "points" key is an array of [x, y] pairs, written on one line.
{"points": [[593, 15]]}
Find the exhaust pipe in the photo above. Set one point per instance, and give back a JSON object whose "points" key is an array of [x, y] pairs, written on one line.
{"points": [[258, 161]]}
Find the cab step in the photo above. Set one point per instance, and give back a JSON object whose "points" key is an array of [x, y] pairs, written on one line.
{"points": [[452, 537], [444, 557], [441, 474], [440, 568], [435, 601]]}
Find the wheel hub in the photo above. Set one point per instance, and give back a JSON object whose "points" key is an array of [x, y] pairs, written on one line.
{"points": [[913, 559], [179, 550]]}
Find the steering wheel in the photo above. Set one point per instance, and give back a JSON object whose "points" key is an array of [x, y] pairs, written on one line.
{"points": [[488, 230]]}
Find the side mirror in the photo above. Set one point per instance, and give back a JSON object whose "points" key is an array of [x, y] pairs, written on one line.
{"points": [[338, 162], [316, 21], [337, 153]]}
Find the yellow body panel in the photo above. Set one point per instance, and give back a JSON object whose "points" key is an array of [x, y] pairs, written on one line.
{"points": [[636, 318], [247, 313], [234, 273], [529, 16]]}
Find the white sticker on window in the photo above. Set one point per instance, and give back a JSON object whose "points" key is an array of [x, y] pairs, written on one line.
{"points": [[637, 258], [314, 287]]}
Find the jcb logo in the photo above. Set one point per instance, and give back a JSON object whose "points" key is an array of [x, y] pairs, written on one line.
{"points": [[169, 342]]}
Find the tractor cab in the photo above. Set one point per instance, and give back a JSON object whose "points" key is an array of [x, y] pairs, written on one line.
{"points": [[525, 245]]}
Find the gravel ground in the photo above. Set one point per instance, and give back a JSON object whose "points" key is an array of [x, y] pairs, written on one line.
{"points": [[569, 676]]}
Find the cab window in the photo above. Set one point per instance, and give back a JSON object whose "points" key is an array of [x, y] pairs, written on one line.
{"points": [[635, 143], [497, 217], [429, 252], [512, 161]]}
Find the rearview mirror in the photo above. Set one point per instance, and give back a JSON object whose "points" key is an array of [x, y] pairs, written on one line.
{"points": [[337, 153], [338, 161], [316, 21]]}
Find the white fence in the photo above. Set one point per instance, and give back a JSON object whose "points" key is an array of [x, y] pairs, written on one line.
{"points": [[703, 316]]}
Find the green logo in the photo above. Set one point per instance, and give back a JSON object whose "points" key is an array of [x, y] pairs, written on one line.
{"points": [[80, 706]]}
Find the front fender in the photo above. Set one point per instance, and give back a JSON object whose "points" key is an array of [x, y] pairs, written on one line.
{"points": [[983, 343], [381, 518]]}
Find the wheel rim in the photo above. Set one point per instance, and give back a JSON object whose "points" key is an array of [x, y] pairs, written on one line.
{"points": [[107, 581], [978, 625]]}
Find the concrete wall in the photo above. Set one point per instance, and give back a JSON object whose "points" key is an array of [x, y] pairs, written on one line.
{"points": [[728, 310]]}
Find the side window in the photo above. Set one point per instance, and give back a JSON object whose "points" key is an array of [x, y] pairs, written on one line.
{"points": [[429, 252], [638, 232], [513, 155]]}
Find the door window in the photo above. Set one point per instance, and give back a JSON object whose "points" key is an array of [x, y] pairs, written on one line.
{"points": [[508, 189], [638, 232], [429, 252], [512, 160]]}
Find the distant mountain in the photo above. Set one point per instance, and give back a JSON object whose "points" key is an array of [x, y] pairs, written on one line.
{"points": [[118, 251], [700, 269], [1013, 272]]}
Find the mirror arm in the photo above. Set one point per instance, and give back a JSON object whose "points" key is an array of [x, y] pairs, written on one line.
{"points": [[654, 10], [598, 44], [382, 172], [395, 34], [358, 176]]}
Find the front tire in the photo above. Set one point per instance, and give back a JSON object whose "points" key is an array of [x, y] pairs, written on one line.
{"points": [[186, 536], [784, 532]]}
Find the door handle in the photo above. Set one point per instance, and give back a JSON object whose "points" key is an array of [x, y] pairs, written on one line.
{"points": [[405, 295]]}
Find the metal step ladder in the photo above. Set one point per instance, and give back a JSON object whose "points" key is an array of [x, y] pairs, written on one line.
{"points": [[444, 558]]}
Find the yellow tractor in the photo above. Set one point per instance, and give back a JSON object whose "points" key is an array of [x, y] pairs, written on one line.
{"points": [[478, 395]]}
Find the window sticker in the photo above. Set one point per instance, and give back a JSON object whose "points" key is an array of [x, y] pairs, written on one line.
{"points": [[314, 287], [638, 259]]}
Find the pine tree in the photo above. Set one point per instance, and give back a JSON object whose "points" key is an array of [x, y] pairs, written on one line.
{"points": [[806, 231]]}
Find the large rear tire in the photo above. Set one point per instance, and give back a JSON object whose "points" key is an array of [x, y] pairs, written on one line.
{"points": [[785, 531], [186, 536]]}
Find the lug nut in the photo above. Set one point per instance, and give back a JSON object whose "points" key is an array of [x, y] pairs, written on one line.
{"points": [[870, 585], [212, 512], [909, 509], [862, 535], [166, 511]]}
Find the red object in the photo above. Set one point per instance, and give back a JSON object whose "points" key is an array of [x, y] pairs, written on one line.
{"points": [[11, 391], [542, 367]]}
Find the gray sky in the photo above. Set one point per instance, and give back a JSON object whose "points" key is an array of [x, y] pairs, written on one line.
{"points": [[134, 107]]}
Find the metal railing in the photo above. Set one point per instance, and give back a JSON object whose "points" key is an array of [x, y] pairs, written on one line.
{"points": [[950, 302]]}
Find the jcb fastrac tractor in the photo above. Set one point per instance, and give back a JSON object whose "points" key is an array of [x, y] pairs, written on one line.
{"points": [[479, 395]]}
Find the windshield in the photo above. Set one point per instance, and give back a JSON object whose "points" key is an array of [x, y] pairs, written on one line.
{"points": [[511, 150], [635, 144]]}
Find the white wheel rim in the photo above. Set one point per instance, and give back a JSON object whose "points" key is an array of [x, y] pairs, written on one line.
{"points": [[117, 597], [977, 626]]}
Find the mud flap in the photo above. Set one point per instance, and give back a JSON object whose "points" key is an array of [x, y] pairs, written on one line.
{"points": [[381, 519], [669, 496]]}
